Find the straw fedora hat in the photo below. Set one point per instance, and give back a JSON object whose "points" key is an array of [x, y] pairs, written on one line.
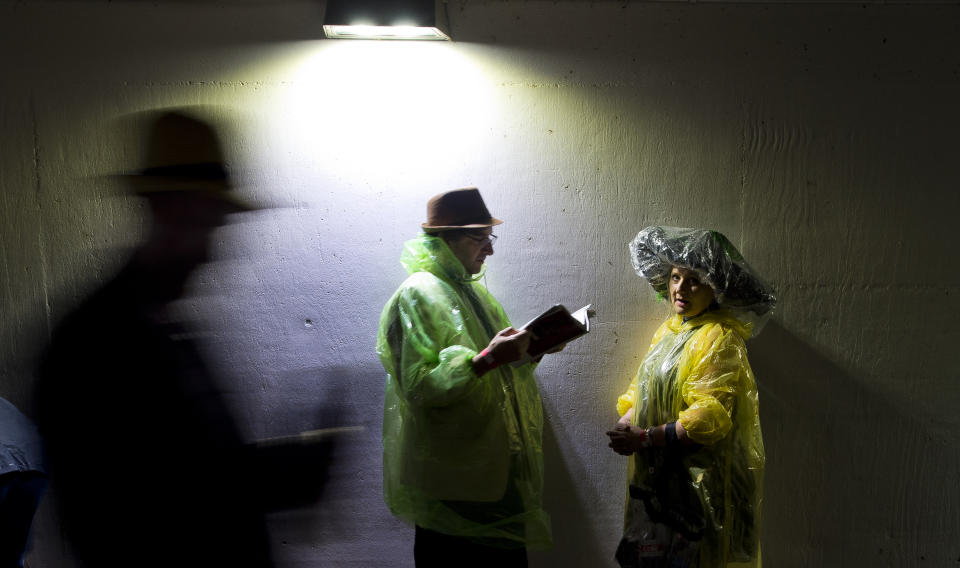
{"points": [[183, 154], [458, 209]]}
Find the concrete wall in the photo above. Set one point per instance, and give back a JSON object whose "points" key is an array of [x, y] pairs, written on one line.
{"points": [[821, 138]]}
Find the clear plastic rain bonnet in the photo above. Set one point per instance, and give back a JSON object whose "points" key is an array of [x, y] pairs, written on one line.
{"points": [[655, 250]]}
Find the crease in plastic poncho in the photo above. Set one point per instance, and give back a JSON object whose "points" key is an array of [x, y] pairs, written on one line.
{"points": [[462, 454], [696, 372]]}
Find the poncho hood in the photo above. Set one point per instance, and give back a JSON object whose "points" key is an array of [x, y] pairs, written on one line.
{"points": [[721, 316], [431, 254]]}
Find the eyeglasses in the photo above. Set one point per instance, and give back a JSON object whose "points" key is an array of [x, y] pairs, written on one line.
{"points": [[491, 238]]}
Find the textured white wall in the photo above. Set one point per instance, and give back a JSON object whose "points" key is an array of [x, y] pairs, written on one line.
{"points": [[821, 138]]}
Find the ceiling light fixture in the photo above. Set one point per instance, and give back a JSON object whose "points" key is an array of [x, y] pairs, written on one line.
{"points": [[386, 19]]}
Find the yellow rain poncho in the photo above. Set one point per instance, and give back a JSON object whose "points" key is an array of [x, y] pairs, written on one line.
{"points": [[697, 505], [462, 454], [697, 373]]}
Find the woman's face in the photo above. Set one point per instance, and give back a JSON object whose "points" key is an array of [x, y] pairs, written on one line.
{"points": [[688, 295]]}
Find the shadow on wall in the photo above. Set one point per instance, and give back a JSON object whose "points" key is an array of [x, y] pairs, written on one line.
{"points": [[574, 544], [852, 479]]}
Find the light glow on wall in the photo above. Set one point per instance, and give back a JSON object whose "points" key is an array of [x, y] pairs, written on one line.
{"points": [[379, 112]]}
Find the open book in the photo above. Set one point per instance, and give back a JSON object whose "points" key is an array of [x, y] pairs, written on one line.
{"points": [[554, 328]]}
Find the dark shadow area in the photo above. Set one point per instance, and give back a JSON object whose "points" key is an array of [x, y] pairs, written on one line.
{"points": [[833, 446], [575, 543], [294, 469]]}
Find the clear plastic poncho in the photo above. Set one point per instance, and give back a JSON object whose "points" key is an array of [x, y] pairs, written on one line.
{"points": [[696, 373], [655, 250], [462, 454]]}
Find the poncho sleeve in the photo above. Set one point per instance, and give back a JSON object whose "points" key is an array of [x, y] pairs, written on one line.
{"points": [[424, 346], [715, 363]]}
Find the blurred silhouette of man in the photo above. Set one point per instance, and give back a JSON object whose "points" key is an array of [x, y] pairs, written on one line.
{"points": [[23, 480], [147, 463]]}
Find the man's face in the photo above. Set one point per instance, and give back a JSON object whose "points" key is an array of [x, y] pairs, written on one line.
{"points": [[471, 248]]}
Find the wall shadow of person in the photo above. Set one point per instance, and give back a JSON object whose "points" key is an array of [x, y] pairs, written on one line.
{"points": [[835, 444], [565, 475]]}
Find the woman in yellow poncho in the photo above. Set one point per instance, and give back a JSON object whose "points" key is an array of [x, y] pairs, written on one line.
{"points": [[690, 418]]}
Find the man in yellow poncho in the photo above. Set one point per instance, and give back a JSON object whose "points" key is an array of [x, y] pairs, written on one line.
{"points": [[690, 419], [462, 428]]}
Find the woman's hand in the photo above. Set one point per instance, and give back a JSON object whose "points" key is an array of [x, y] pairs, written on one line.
{"points": [[627, 439]]}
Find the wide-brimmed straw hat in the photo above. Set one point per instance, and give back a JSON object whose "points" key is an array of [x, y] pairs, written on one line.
{"points": [[183, 154], [656, 250], [458, 209]]}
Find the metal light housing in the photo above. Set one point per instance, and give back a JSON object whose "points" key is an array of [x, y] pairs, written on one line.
{"points": [[386, 19]]}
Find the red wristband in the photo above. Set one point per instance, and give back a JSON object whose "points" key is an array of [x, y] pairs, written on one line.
{"points": [[488, 358]]}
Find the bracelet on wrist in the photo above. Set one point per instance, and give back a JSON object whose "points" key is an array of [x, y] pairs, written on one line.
{"points": [[647, 440], [671, 431], [489, 359]]}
